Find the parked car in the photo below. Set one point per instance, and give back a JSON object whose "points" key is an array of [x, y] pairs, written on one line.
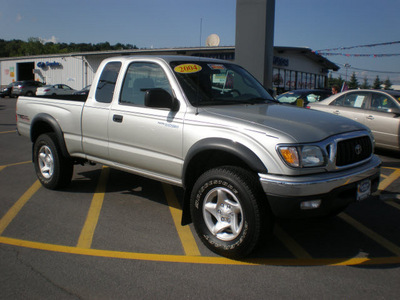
{"points": [[303, 97], [377, 109], [55, 89], [7, 90], [84, 91], [26, 88]]}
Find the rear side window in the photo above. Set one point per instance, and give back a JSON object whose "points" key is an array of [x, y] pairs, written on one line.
{"points": [[106, 85]]}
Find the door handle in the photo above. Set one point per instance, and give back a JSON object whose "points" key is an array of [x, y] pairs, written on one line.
{"points": [[336, 112], [118, 118], [370, 117]]}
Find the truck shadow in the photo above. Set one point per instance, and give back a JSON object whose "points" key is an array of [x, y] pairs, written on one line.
{"points": [[332, 240]]}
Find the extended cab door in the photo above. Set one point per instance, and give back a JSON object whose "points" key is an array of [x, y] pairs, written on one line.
{"points": [[96, 112], [146, 140]]}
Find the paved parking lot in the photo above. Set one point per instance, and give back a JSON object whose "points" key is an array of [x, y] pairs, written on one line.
{"points": [[116, 235]]}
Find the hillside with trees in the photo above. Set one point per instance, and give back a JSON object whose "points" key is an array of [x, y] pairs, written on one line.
{"points": [[34, 46]]}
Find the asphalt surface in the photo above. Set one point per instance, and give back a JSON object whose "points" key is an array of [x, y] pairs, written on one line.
{"points": [[113, 235]]}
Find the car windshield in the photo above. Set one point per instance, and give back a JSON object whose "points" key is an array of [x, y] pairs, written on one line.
{"points": [[210, 83]]}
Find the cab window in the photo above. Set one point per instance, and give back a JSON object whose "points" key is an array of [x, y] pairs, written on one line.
{"points": [[139, 78], [105, 87]]}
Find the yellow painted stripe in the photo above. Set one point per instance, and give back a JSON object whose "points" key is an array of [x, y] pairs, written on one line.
{"points": [[15, 209], [200, 259], [10, 131], [291, 244], [389, 180], [371, 234], [86, 236], [185, 234], [14, 164]]}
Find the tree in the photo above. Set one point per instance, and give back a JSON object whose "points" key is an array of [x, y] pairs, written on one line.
{"points": [[335, 81], [377, 83], [365, 84], [387, 84], [353, 83]]}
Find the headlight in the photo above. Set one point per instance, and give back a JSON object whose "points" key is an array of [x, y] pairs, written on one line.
{"points": [[302, 156]]}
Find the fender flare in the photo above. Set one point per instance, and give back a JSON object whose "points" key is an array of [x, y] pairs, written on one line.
{"points": [[56, 128], [226, 145]]}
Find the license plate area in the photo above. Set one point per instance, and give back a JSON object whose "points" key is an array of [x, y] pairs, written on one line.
{"points": [[363, 190]]}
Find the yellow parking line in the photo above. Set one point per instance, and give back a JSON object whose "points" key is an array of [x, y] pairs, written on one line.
{"points": [[15, 209], [14, 164], [200, 259], [10, 131], [389, 180], [371, 234], [86, 236], [184, 232], [291, 244]]}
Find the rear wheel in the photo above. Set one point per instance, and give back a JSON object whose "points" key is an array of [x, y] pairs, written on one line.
{"points": [[228, 211], [52, 168]]}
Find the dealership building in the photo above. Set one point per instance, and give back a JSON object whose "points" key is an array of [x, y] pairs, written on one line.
{"points": [[293, 67]]}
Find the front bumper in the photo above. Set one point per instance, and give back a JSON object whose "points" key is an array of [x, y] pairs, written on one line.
{"points": [[335, 189]]}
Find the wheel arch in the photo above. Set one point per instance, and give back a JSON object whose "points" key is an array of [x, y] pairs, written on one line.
{"points": [[210, 153], [45, 123]]}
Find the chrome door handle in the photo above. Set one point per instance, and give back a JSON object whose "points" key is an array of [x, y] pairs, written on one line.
{"points": [[370, 117]]}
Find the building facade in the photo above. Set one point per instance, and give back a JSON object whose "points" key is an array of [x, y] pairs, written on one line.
{"points": [[293, 68]]}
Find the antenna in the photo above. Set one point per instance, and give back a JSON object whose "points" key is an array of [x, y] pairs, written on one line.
{"points": [[201, 29], [212, 40]]}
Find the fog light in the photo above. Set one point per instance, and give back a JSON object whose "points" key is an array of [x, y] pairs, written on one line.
{"points": [[310, 204]]}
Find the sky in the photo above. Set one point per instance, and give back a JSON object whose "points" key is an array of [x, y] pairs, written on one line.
{"points": [[316, 24]]}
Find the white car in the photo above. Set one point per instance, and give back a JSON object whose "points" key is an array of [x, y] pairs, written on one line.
{"points": [[377, 109], [55, 89]]}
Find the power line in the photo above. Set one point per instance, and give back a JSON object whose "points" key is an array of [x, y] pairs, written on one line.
{"points": [[361, 46], [374, 71]]}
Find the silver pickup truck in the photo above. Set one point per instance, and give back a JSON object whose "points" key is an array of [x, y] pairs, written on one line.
{"points": [[209, 127]]}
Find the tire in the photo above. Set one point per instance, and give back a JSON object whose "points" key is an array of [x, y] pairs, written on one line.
{"points": [[229, 211], [53, 170]]}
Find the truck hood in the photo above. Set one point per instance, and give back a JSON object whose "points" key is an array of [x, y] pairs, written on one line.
{"points": [[300, 124]]}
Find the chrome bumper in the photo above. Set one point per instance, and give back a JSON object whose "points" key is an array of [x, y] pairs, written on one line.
{"points": [[317, 184]]}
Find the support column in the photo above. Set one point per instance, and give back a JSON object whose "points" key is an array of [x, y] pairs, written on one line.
{"points": [[254, 47]]}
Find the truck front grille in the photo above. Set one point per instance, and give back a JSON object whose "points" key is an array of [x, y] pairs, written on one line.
{"points": [[353, 150]]}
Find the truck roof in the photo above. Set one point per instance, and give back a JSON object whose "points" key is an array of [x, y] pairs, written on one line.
{"points": [[166, 58]]}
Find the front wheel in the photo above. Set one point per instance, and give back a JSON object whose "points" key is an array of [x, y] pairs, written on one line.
{"points": [[52, 168], [228, 213]]}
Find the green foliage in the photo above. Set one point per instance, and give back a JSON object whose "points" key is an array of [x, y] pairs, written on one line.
{"points": [[387, 84], [34, 46], [353, 83], [365, 84], [335, 81], [377, 83]]}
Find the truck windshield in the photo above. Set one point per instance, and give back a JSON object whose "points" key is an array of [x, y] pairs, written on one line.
{"points": [[210, 83]]}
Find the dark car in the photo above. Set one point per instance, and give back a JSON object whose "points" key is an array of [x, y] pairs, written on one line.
{"points": [[7, 90], [26, 88], [304, 97], [84, 91]]}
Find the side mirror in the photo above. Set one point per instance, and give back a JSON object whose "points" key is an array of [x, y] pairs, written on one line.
{"points": [[160, 98]]}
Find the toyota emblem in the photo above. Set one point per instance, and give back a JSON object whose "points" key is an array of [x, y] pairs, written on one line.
{"points": [[358, 149]]}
